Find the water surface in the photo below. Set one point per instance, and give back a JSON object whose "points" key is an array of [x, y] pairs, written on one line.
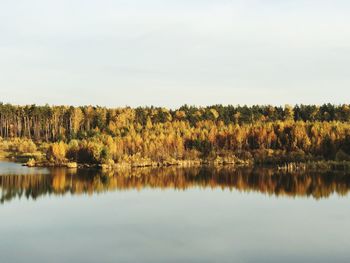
{"points": [[173, 215]]}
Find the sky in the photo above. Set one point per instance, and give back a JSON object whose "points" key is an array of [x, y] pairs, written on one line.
{"points": [[173, 52]]}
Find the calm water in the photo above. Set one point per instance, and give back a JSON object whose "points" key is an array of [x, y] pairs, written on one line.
{"points": [[173, 215]]}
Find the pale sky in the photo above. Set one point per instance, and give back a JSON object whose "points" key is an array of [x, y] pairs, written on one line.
{"points": [[168, 53]]}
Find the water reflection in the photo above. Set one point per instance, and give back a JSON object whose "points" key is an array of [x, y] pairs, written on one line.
{"points": [[266, 181]]}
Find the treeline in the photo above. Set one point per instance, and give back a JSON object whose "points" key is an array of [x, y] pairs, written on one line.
{"points": [[264, 134], [53, 123]]}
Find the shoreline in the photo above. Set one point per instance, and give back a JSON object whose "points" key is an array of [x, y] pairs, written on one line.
{"points": [[279, 165], [287, 167], [125, 165]]}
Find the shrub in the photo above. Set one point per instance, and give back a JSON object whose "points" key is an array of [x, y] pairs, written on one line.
{"points": [[57, 152]]}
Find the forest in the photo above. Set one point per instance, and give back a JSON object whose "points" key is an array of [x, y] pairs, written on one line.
{"points": [[154, 136]]}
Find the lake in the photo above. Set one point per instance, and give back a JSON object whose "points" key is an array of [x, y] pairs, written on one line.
{"points": [[173, 215]]}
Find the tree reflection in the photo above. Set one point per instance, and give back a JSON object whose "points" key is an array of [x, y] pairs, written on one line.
{"points": [[266, 181]]}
